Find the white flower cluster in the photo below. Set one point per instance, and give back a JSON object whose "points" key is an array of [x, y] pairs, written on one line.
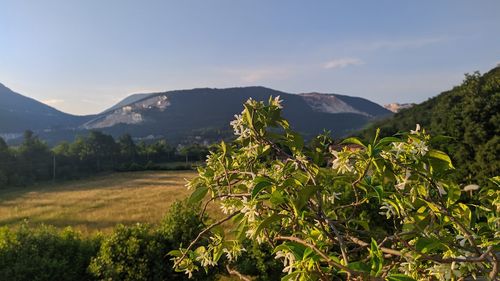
{"points": [[300, 160], [402, 182], [205, 258], [388, 210], [229, 205], [277, 102], [288, 260], [239, 127], [234, 252], [342, 162], [251, 234], [249, 209], [445, 271]]}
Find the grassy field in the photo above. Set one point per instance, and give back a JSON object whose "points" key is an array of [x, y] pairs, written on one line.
{"points": [[97, 203]]}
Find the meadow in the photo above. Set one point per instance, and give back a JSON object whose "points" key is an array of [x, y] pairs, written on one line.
{"points": [[95, 204]]}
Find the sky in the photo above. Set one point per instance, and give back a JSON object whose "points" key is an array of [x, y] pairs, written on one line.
{"points": [[82, 57]]}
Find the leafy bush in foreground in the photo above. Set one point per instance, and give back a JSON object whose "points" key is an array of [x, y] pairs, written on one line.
{"points": [[45, 254], [140, 252], [384, 210]]}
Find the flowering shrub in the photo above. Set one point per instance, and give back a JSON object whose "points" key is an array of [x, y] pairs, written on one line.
{"points": [[385, 210]]}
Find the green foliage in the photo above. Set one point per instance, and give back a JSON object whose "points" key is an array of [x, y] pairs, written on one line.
{"points": [[45, 254], [259, 261], [140, 252], [181, 224], [130, 253], [469, 114], [33, 161], [386, 209]]}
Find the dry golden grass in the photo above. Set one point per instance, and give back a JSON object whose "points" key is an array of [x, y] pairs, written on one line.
{"points": [[98, 203]]}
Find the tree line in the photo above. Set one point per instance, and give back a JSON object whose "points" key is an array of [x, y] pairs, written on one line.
{"points": [[467, 117], [34, 161]]}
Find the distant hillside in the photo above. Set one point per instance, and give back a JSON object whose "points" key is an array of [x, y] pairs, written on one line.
{"points": [[179, 113], [19, 113], [470, 114], [185, 115], [126, 101]]}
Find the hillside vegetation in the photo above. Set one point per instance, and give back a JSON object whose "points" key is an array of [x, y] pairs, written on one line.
{"points": [[469, 114]]}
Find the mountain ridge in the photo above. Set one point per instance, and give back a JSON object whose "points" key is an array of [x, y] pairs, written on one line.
{"points": [[181, 113], [19, 113]]}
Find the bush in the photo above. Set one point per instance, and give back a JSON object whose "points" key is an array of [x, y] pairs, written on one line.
{"points": [[140, 252], [130, 253], [259, 261], [45, 254]]}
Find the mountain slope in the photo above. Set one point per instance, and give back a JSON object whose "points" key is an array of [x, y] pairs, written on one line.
{"points": [[19, 113], [180, 112], [470, 114], [334, 103], [126, 101], [179, 115]]}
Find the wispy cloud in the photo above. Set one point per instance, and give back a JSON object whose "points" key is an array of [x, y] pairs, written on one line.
{"points": [[53, 101], [342, 62]]}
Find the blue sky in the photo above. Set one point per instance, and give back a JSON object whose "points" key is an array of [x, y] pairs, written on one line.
{"points": [[83, 56]]}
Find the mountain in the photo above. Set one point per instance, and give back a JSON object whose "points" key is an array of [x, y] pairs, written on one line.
{"points": [[334, 103], [179, 113], [469, 114], [126, 101], [182, 115], [19, 113]]}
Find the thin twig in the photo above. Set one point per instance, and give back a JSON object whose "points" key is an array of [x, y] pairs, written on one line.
{"points": [[201, 234], [326, 258], [237, 273]]}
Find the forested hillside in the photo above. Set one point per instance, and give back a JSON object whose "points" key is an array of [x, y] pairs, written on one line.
{"points": [[469, 114]]}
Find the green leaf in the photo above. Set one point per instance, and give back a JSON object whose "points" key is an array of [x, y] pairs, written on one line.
{"points": [[376, 258], [295, 141], [265, 223], [304, 195], [198, 194], [359, 266], [353, 140], [427, 245], [175, 253], [453, 194], [462, 213], [292, 276], [441, 156], [248, 115], [260, 186], [432, 206], [399, 277], [277, 198], [387, 140]]}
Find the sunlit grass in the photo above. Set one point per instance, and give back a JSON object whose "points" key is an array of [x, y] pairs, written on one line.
{"points": [[98, 203]]}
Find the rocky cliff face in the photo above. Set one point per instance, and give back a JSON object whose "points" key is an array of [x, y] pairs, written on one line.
{"points": [[129, 114], [329, 104], [397, 107]]}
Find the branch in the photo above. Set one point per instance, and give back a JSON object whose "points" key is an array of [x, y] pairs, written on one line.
{"points": [[221, 196], [383, 249], [201, 234], [481, 258], [237, 273], [326, 258]]}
